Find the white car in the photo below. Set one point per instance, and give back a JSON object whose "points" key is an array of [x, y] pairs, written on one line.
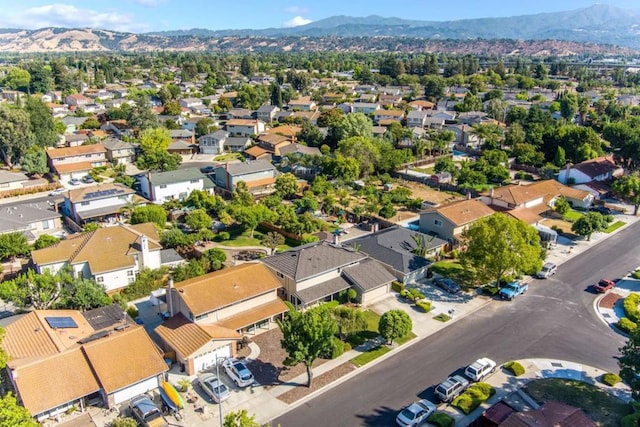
{"points": [[57, 192], [548, 270], [238, 372], [480, 369], [416, 413], [215, 389]]}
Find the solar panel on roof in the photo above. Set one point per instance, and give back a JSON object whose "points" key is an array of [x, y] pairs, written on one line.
{"points": [[61, 322]]}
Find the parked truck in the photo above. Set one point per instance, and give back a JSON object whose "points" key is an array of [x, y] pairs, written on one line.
{"points": [[513, 289]]}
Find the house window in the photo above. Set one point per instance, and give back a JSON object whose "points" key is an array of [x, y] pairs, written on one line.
{"points": [[437, 223], [85, 203], [202, 316], [130, 273], [194, 181], [100, 279], [88, 156], [163, 186], [131, 279], [280, 275]]}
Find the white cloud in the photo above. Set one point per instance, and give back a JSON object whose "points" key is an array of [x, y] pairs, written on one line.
{"points": [[296, 10], [149, 3], [296, 22], [69, 16]]}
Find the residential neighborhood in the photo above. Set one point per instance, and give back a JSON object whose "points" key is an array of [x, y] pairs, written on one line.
{"points": [[288, 228]]}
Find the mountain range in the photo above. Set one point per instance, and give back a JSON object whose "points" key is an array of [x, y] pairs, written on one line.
{"points": [[598, 24]]}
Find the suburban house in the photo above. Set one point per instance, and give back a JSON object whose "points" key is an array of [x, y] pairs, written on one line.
{"points": [[464, 135], [98, 202], [599, 169], [381, 116], [268, 113], [318, 272], [12, 180], [552, 189], [60, 359], [182, 148], [191, 102], [422, 105], [417, 118], [77, 100], [302, 104], [395, 247], [210, 313], [365, 107], [447, 222], [31, 219], [112, 256], [76, 162], [119, 152], [241, 113], [244, 127], [213, 143], [273, 142], [160, 187], [259, 175], [183, 135], [118, 128]]}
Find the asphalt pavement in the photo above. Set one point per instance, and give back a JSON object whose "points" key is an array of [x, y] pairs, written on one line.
{"points": [[554, 320]]}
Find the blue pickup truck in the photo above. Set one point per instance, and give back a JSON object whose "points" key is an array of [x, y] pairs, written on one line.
{"points": [[513, 289]]}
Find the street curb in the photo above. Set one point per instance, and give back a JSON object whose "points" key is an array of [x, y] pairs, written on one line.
{"points": [[375, 362]]}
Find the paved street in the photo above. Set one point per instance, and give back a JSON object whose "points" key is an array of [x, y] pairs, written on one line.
{"points": [[555, 319]]}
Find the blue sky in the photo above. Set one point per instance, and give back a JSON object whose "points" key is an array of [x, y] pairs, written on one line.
{"points": [[154, 15]]}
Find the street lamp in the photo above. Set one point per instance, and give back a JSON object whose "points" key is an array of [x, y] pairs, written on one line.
{"points": [[219, 382]]}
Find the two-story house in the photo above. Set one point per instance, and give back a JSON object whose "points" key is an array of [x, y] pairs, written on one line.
{"points": [[448, 222], [112, 256], [243, 127], [382, 116], [210, 313], [77, 100], [98, 202], [268, 113], [183, 135], [598, 169], [259, 175], [119, 152], [191, 102], [160, 187], [417, 119], [302, 104], [213, 143], [365, 107], [76, 162], [319, 271]]}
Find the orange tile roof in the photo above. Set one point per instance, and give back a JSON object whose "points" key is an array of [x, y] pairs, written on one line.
{"points": [[260, 182], [73, 167], [187, 337], [516, 194], [124, 358], [76, 151], [464, 211], [226, 287], [256, 314], [58, 379]]}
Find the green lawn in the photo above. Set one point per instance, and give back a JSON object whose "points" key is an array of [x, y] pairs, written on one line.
{"points": [[359, 338], [406, 338], [602, 407], [370, 355], [572, 216], [228, 157], [447, 268], [372, 320], [428, 171], [613, 227]]}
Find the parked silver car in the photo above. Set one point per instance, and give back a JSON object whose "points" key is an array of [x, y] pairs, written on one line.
{"points": [[215, 389], [548, 270], [416, 414]]}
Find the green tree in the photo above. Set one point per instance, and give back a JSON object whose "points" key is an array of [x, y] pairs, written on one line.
{"points": [[203, 126], [4, 357], [201, 199], [307, 335], [141, 116], [562, 206], [276, 95], [154, 143], [175, 238], [82, 294], [149, 213], [90, 226], [498, 244], [15, 133], [345, 168], [568, 105], [17, 79], [590, 223], [172, 108], [628, 187], [44, 241], [247, 66], [351, 125], [629, 363], [310, 134], [124, 422], [350, 320], [198, 219], [41, 122], [34, 161], [215, 258], [434, 87], [251, 216], [13, 245], [42, 290], [14, 415], [364, 150], [272, 240], [394, 324], [560, 158], [154, 139], [471, 102], [286, 185], [240, 418], [91, 123]]}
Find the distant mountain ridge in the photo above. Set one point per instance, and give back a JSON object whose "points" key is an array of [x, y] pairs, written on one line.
{"points": [[592, 30]]}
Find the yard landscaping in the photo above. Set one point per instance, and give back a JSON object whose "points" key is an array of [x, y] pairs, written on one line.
{"points": [[603, 408], [228, 157], [572, 216], [370, 355], [614, 226]]}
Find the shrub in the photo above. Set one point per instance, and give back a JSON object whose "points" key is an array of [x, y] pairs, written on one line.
{"points": [[490, 290], [630, 420], [337, 348], [397, 286], [636, 274], [405, 294], [515, 368], [331, 304], [441, 419], [473, 397], [415, 294], [184, 384], [425, 306], [626, 325], [610, 379], [631, 307], [223, 236], [132, 312]]}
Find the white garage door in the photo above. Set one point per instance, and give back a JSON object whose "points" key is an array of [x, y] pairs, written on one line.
{"points": [[375, 294], [208, 360], [134, 390]]}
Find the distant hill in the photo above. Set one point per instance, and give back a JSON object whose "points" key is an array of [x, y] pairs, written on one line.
{"points": [[593, 30]]}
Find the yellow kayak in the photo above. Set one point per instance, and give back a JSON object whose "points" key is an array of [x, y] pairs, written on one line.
{"points": [[173, 394]]}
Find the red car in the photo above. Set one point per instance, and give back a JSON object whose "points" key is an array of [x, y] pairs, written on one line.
{"points": [[603, 286]]}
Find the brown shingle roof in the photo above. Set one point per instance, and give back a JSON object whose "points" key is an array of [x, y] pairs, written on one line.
{"points": [[73, 167], [390, 113], [552, 188], [286, 130], [186, 337], [256, 314], [133, 345], [241, 122], [528, 215], [516, 194], [75, 151], [226, 287], [257, 152], [596, 167], [464, 211], [58, 379], [260, 182]]}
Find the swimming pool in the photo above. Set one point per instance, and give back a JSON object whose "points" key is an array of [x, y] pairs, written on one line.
{"points": [[459, 153], [413, 226]]}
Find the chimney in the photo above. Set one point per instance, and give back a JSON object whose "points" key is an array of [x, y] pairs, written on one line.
{"points": [[170, 297], [336, 238], [144, 245]]}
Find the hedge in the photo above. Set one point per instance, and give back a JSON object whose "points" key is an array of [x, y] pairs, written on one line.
{"points": [[397, 286], [514, 367], [425, 306], [441, 419], [631, 307], [610, 379], [473, 397], [626, 325], [636, 274], [337, 347]]}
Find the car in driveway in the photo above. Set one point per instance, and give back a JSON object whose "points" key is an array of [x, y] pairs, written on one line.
{"points": [[146, 412], [603, 286], [88, 179], [215, 389], [238, 372], [447, 284], [451, 388], [601, 210], [416, 414], [548, 270], [75, 181], [480, 369]]}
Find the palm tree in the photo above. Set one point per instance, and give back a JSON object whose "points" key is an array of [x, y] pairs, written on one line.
{"points": [[489, 134]]}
